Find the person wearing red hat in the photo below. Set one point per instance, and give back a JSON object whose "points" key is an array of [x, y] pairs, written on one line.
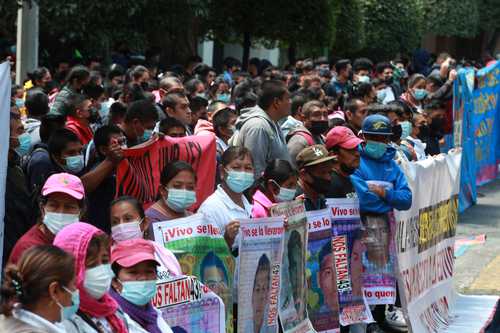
{"points": [[343, 144], [134, 286], [61, 204]]}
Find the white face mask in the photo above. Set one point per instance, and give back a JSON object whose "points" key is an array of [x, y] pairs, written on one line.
{"points": [[98, 280], [126, 231], [56, 221]]}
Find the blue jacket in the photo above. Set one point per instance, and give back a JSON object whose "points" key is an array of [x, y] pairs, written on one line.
{"points": [[384, 169]]}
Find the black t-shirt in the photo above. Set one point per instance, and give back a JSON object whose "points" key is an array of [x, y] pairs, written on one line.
{"points": [[341, 187], [99, 201]]}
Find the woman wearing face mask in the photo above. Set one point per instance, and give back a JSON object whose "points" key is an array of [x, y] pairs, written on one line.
{"points": [[39, 292], [61, 204], [228, 204], [278, 184], [128, 221], [416, 93], [176, 192], [134, 286], [219, 91], [98, 311]]}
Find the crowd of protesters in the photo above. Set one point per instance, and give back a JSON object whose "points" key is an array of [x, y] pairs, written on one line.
{"points": [[77, 258]]}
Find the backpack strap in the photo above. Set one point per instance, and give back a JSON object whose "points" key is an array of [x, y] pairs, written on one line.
{"points": [[307, 136]]}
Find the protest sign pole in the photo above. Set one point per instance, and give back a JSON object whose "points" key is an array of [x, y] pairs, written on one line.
{"points": [[4, 142], [27, 39]]}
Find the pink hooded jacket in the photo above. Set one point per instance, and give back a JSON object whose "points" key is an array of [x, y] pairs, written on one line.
{"points": [[261, 205], [75, 239], [204, 127]]}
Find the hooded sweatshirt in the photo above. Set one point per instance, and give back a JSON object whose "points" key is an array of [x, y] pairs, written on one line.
{"points": [[75, 239], [290, 124], [256, 131], [384, 169], [204, 127]]}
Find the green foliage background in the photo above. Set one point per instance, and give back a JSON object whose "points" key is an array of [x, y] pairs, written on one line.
{"points": [[378, 28]]}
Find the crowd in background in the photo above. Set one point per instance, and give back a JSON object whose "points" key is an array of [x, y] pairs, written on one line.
{"points": [[76, 254]]}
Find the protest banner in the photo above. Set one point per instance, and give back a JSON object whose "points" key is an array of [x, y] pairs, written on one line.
{"points": [[293, 293], [202, 252], [260, 254], [485, 123], [347, 250], [425, 243], [139, 173], [5, 80], [322, 298], [189, 306], [463, 105], [379, 257]]}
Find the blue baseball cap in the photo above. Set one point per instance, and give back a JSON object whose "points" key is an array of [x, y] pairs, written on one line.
{"points": [[376, 124]]}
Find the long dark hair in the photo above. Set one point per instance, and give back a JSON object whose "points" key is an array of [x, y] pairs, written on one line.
{"points": [[130, 200], [277, 170], [78, 73], [173, 169]]}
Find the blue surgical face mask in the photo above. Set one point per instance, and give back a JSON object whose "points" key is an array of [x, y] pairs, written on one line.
{"points": [[381, 94], [226, 98], [19, 102], [420, 94], [285, 194], [104, 110], [147, 135], [24, 144], [74, 164], [239, 181], [375, 149], [178, 200], [139, 293], [407, 128], [67, 312], [364, 79]]}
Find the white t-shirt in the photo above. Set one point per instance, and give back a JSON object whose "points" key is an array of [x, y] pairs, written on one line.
{"points": [[221, 209]]}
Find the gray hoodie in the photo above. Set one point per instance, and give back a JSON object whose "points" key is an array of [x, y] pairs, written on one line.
{"points": [[256, 131]]}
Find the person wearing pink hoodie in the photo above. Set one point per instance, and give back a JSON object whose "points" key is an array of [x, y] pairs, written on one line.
{"points": [[277, 184]]}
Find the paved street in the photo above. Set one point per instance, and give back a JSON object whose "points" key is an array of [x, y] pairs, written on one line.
{"points": [[478, 270]]}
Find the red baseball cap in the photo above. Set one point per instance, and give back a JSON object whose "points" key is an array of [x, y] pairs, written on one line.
{"points": [[133, 251], [343, 137]]}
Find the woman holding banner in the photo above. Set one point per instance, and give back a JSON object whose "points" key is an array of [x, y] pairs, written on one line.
{"points": [[278, 184], [176, 191], [128, 221], [228, 204], [98, 311]]}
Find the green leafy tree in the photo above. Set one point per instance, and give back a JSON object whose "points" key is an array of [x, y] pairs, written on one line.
{"points": [[306, 25], [350, 35], [391, 27], [294, 23], [456, 18]]}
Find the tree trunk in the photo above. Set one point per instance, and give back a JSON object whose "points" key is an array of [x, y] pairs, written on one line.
{"points": [[247, 43], [292, 52]]}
